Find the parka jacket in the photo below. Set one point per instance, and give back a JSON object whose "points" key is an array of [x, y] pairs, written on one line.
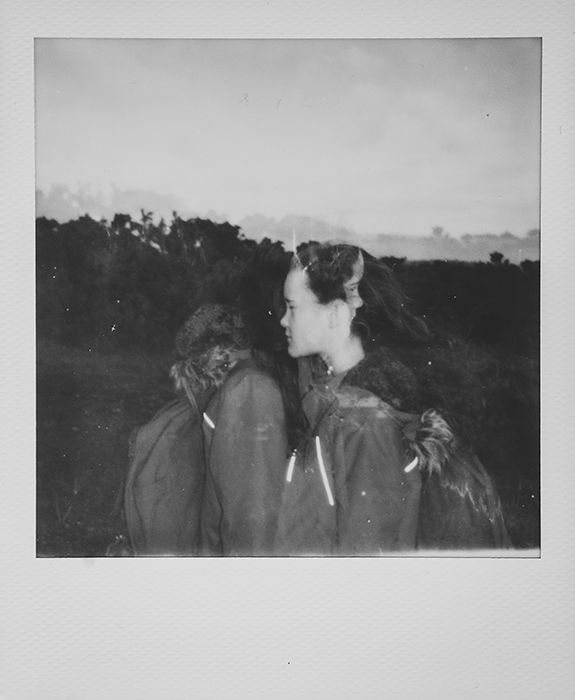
{"points": [[353, 489], [245, 453], [377, 479], [460, 507]]}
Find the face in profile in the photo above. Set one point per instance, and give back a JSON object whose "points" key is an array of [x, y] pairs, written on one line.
{"points": [[306, 321]]}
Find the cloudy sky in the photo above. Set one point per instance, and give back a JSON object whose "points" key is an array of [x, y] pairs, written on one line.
{"points": [[379, 136]]}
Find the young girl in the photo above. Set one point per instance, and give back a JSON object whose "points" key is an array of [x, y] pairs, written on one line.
{"points": [[207, 471], [165, 479], [245, 427], [355, 485], [352, 488]]}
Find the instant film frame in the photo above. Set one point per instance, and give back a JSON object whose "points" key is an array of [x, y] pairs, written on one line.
{"points": [[514, 614]]}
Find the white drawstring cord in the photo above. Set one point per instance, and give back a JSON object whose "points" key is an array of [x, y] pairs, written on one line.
{"points": [[411, 465], [291, 465], [323, 472], [209, 421]]}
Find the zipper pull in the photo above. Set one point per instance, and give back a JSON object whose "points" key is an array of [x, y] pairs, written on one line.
{"points": [[323, 471], [291, 465]]}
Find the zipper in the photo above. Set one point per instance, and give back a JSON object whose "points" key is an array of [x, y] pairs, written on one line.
{"points": [[323, 471]]}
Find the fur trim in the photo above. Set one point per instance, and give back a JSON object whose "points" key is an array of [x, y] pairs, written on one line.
{"points": [[428, 434], [441, 457], [208, 326], [208, 346], [205, 371], [383, 373], [433, 442]]}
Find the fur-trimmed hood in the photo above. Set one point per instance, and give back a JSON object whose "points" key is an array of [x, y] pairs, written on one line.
{"points": [[419, 379], [430, 436], [207, 370], [208, 346], [443, 457]]}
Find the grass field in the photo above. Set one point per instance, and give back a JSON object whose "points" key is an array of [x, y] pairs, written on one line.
{"points": [[87, 404]]}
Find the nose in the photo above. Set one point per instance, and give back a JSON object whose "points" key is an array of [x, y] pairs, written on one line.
{"points": [[283, 320]]}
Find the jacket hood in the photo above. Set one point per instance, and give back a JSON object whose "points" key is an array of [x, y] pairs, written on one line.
{"points": [[207, 370], [208, 346], [428, 435]]}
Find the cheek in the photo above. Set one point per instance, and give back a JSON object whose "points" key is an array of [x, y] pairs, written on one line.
{"points": [[307, 332], [299, 328]]}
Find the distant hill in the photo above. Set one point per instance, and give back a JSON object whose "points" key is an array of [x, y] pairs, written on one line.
{"points": [[438, 246], [63, 205]]}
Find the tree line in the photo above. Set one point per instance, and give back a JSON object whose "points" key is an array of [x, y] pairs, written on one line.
{"points": [[126, 283]]}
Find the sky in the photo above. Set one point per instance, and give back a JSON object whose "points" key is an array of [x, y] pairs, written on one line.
{"points": [[377, 136]]}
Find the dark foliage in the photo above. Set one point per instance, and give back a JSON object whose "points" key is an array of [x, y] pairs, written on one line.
{"points": [[489, 304], [131, 284]]}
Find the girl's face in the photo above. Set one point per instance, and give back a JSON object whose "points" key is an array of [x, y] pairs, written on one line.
{"points": [[306, 320]]}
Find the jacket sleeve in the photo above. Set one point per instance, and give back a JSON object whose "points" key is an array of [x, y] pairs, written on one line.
{"points": [[211, 514], [378, 501], [246, 463]]}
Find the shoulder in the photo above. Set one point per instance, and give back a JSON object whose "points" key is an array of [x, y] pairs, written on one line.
{"points": [[360, 408], [384, 374], [368, 429], [247, 373], [248, 385]]}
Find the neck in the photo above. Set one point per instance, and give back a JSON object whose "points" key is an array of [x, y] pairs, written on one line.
{"points": [[344, 356]]}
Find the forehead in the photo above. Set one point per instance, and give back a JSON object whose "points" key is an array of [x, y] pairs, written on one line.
{"points": [[296, 287]]}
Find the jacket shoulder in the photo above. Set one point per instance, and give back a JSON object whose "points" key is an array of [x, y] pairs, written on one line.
{"points": [[360, 408], [248, 387], [247, 373]]}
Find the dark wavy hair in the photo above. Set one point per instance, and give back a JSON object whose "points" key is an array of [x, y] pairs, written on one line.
{"points": [[262, 304], [328, 267], [385, 316]]}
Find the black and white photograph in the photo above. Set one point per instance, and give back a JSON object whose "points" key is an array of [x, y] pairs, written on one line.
{"points": [[287, 296], [287, 331]]}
